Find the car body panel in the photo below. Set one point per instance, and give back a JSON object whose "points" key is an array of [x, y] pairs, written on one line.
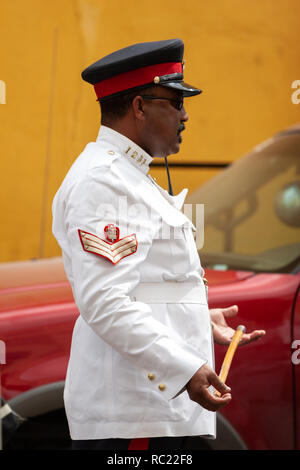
{"points": [[265, 301], [37, 314]]}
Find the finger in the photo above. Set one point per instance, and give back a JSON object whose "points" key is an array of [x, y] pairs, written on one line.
{"points": [[214, 403], [230, 311], [218, 384], [254, 336], [257, 334]]}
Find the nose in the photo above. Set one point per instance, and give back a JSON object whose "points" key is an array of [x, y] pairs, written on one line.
{"points": [[184, 115]]}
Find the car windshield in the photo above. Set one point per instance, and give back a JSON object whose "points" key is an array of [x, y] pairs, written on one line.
{"points": [[252, 210]]}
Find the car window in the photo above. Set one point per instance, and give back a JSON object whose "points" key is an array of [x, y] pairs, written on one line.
{"points": [[252, 210]]}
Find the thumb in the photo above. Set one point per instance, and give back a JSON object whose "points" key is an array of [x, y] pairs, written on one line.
{"points": [[230, 311], [218, 384]]}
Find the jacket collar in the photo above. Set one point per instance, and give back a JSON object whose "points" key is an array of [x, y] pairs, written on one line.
{"points": [[135, 154], [170, 206]]}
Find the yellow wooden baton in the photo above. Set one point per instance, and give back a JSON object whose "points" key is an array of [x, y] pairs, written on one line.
{"points": [[229, 354]]}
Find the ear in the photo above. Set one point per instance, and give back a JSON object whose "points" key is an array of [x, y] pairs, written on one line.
{"points": [[138, 107]]}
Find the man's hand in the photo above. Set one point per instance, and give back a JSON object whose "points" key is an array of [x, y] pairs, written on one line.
{"points": [[198, 389], [223, 333]]}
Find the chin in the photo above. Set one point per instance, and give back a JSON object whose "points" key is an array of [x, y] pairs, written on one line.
{"points": [[177, 148], [168, 151]]}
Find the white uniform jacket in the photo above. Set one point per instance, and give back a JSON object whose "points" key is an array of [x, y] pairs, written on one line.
{"points": [[144, 326]]}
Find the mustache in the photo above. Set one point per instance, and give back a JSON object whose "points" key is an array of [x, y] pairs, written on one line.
{"points": [[180, 128]]}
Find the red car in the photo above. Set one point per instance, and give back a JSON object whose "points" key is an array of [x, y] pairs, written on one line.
{"points": [[251, 255]]}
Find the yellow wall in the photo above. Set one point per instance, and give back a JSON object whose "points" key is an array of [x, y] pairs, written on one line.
{"points": [[243, 54]]}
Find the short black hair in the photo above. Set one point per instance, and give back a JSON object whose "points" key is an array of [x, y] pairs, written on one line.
{"points": [[117, 106]]}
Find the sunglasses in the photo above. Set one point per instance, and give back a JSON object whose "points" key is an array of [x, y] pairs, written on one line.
{"points": [[178, 103]]}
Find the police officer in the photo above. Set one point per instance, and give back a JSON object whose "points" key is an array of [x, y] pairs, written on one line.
{"points": [[141, 360]]}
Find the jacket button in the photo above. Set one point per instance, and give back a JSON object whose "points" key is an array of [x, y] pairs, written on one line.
{"points": [[151, 376], [162, 387]]}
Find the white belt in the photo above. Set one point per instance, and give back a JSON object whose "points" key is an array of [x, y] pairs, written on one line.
{"points": [[170, 292]]}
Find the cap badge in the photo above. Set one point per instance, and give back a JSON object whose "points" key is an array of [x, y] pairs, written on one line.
{"points": [[111, 233]]}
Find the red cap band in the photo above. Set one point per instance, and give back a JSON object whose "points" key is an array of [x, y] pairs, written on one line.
{"points": [[135, 78]]}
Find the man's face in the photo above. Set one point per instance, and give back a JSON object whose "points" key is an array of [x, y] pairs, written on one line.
{"points": [[163, 121]]}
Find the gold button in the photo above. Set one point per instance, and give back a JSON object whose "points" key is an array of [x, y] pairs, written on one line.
{"points": [[111, 152], [162, 387], [151, 376], [156, 79]]}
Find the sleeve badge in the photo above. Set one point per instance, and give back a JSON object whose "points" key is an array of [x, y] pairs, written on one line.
{"points": [[113, 248]]}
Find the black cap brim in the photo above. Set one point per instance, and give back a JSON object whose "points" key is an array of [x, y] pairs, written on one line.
{"points": [[181, 86]]}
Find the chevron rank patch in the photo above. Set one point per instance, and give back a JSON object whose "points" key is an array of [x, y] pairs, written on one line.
{"points": [[113, 248]]}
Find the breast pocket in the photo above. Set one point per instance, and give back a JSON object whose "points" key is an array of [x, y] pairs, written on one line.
{"points": [[176, 235], [179, 247]]}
